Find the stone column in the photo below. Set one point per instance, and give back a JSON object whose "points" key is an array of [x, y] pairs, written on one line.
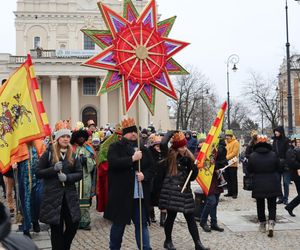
{"points": [[74, 100], [39, 80], [54, 100], [103, 109], [121, 109]]}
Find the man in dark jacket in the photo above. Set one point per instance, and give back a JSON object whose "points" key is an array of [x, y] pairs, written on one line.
{"points": [[280, 147], [191, 141], [126, 185], [293, 161]]}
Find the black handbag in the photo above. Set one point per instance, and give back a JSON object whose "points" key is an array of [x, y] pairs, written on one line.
{"points": [[248, 182]]}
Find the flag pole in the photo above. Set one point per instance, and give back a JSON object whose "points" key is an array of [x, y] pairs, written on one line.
{"points": [[187, 181], [139, 169]]}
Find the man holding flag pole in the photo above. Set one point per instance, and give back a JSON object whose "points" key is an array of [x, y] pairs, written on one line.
{"points": [[127, 186], [138, 55]]}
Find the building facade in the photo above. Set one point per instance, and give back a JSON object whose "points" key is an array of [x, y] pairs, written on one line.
{"points": [[50, 31], [283, 90]]}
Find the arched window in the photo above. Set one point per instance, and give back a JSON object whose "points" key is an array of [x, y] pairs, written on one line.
{"points": [[89, 113], [36, 42]]}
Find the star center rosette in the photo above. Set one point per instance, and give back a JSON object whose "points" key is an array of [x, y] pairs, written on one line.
{"points": [[137, 53], [140, 53]]}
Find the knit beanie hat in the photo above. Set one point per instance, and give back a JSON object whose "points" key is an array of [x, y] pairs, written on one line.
{"points": [[62, 127], [229, 132], [179, 140]]}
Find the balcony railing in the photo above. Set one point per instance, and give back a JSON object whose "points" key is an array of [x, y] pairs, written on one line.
{"points": [[54, 54]]}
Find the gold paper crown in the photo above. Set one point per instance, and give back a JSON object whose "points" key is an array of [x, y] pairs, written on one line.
{"points": [[101, 135], [253, 133], [178, 136], [154, 139], [126, 123], [63, 124], [79, 126], [262, 138], [118, 129]]}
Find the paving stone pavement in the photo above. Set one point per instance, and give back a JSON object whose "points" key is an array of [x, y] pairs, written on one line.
{"points": [[238, 217]]}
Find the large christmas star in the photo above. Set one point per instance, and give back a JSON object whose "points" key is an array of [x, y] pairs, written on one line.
{"points": [[137, 53]]}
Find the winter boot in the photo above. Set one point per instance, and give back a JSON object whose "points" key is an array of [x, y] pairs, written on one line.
{"points": [[271, 225], [36, 227], [199, 246], [163, 216], [27, 233], [262, 227], [168, 244], [290, 211], [216, 227], [205, 227]]}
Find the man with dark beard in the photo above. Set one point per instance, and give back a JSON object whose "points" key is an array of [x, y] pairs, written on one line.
{"points": [[126, 185]]}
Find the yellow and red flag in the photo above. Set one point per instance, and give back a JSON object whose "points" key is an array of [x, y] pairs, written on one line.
{"points": [[22, 113], [206, 156]]}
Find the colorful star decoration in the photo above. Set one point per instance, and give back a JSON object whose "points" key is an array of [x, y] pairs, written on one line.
{"points": [[137, 53]]}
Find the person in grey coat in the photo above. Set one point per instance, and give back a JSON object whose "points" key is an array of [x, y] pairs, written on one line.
{"points": [[10, 240]]}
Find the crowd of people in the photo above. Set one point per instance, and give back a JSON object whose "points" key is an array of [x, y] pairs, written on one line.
{"points": [[131, 172]]}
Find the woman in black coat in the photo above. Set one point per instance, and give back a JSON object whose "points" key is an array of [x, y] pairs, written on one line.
{"points": [[180, 162], [60, 169], [264, 166]]}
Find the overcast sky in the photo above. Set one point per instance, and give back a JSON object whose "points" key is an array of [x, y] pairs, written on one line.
{"points": [[253, 29]]}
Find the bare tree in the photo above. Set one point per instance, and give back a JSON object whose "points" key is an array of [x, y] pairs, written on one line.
{"points": [[248, 125], [191, 91], [204, 112], [238, 113], [262, 96]]}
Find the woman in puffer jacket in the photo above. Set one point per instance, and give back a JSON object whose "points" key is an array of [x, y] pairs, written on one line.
{"points": [[180, 162], [264, 166], [60, 169]]}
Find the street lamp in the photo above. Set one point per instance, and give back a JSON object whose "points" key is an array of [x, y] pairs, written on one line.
{"points": [[288, 66], [202, 104], [232, 59]]}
